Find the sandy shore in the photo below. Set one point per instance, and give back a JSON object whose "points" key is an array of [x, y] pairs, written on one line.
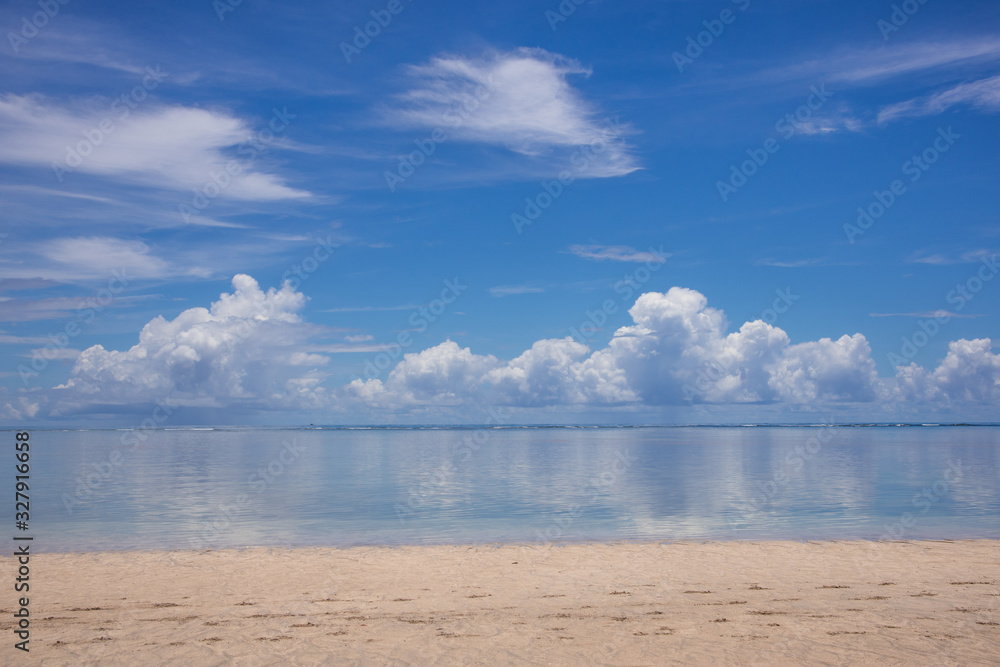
{"points": [[588, 604]]}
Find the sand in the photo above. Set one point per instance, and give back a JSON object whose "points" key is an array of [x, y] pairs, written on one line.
{"points": [[910, 602]]}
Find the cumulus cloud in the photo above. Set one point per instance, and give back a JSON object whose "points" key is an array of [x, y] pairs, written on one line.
{"points": [[557, 371], [445, 374], [841, 370], [677, 352], [249, 347], [162, 146], [19, 408], [970, 372], [521, 100]]}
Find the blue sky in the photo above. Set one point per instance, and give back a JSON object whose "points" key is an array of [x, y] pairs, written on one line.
{"points": [[640, 212]]}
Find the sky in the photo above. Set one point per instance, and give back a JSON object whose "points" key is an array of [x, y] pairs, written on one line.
{"points": [[396, 212]]}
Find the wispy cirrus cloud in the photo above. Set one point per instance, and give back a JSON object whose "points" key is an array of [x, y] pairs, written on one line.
{"points": [[983, 94], [866, 66], [837, 121], [370, 309], [926, 313], [511, 290], [942, 259], [75, 259], [53, 308], [790, 264], [521, 100], [172, 147], [7, 339], [617, 253]]}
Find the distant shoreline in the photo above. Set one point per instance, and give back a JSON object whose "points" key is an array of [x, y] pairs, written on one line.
{"points": [[502, 427]]}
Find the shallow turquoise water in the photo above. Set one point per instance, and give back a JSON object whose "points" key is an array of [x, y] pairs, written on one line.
{"points": [[186, 488]]}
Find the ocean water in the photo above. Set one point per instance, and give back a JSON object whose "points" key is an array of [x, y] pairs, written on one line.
{"points": [[217, 488]]}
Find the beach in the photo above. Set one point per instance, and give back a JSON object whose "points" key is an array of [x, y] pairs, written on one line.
{"points": [[775, 602]]}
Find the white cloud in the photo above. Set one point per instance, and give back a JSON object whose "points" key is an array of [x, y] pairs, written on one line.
{"points": [[827, 370], [791, 264], [22, 340], [926, 313], [676, 352], [521, 100], [445, 374], [983, 95], [72, 259], [510, 290], [94, 257], [970, 372], [557, 371], [371, 309], [18, 408], [839, 121], [249, 347], [873, 65], [251, 350], [60, 307], [968, 257], [618, 253], [170, 147], [62, 353]]}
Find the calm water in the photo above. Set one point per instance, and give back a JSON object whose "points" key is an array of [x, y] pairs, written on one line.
{"points": [[92, 490]]}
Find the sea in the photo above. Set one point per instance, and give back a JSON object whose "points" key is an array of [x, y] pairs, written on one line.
{"points": [[214, 488]]}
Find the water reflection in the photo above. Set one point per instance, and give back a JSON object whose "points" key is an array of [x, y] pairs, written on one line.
{"points": [[224, 488]]}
